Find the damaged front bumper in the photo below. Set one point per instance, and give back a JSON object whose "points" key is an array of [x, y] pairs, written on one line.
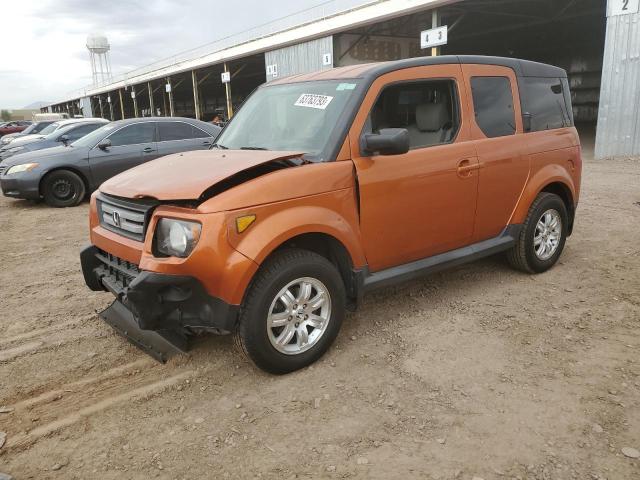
{"points": [[156, 312]]}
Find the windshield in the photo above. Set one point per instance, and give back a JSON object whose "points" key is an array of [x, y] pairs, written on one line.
{"points": [[298, 117], [91, 139], [59, 132], [30, 129], [49, 129]]}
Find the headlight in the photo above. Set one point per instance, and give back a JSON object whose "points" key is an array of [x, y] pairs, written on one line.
{"points": [[177, 238], [25, 167], [15, 149], [6, 140]]}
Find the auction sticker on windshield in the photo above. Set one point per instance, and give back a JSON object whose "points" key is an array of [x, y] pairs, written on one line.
{"points": [[313, 100]]}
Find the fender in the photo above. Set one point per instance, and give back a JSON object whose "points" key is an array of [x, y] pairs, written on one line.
{"points": [[548, 174], [332, 213]]}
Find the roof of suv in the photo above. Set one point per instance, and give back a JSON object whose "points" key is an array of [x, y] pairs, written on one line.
{"points": [[522, 68]]}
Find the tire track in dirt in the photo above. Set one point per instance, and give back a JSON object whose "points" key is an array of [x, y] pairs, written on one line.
{"points": [[41, 339], [63, 414], [37, 332]]}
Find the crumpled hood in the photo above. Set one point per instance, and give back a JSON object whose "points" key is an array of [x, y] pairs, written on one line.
{"points": [[186, 176]]}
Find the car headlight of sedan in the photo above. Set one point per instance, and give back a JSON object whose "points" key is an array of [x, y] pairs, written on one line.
{"points": [[25, 167], [177, 238], [6, 140]]}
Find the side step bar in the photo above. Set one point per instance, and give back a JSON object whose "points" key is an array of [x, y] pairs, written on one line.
{"points": [[161, 345]]}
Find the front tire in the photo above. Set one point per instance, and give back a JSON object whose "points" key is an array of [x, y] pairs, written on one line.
{"points": [[63, 188], [292, 312], [543, 235]]}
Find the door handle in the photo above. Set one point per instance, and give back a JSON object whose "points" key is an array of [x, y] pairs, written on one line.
{"points": [[466, 168], [206, 143], [148, 150]]}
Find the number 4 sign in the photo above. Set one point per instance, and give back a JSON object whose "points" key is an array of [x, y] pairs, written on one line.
{"points": [[623, 7]]}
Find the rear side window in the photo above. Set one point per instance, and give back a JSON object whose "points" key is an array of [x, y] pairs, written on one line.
{"points": [[168, 131], [546, 102], [79, 132], [134, 134], [493, 106]]}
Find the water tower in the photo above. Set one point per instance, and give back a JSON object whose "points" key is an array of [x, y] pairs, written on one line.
{"points": [[98, 47]]}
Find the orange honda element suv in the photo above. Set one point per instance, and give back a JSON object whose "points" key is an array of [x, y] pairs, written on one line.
{"points": [[328, 185]]}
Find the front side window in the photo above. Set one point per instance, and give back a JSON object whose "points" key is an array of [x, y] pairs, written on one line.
{"points": [[493, 106], [134, 134], [428, 110], [545, 101], [168, 131], [297, 117]]}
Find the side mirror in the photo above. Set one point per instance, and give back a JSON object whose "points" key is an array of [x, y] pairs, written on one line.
{"points": [[527, 119], [105, 144], [390, 141], [64, 139]]}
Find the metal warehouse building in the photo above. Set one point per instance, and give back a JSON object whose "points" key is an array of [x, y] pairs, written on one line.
{"points": [[596, 41]]}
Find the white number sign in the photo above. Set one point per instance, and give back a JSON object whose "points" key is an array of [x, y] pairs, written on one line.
{"points": [[623, 7], [272, 70], [327, 60], [434, 38], [225, 77]]}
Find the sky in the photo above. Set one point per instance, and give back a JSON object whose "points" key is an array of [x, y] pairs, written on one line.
{"points": [[44, 55]]}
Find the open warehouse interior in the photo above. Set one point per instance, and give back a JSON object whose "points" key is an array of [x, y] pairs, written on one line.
{"points": [[572, 34]]}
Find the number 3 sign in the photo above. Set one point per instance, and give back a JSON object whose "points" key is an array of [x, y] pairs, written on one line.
{"points": [[623, 7]]}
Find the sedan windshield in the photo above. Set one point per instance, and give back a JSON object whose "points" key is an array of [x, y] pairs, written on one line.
{"points": [[49, 129], [298, 117]]}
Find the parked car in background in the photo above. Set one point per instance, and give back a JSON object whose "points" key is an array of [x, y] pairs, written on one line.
{"points": [[32, 129], [63, 175], [14, 127], [40, 117], [62, 136], [361, 177], [25, 139]]}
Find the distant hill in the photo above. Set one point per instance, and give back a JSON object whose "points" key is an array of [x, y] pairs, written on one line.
{"points": [[36, 105]]}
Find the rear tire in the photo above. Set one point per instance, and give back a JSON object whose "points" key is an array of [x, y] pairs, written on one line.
{"points": [[292, 312], [543, 235], [63, 188]]}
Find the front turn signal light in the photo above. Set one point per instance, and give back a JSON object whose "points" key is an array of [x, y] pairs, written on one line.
{"points": [[244, 222]]}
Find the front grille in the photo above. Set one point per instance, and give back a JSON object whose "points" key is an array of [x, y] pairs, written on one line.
{"points": [[128, 218], [115, 273]]}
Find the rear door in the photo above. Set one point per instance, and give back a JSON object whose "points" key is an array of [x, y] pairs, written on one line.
{"points": [[496, 128], [131, 145], [176, 136]]}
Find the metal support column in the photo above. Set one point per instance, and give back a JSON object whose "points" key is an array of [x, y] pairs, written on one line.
{"points": [[121, 104], [135, 102], [151, 105], [227, 87], [196, 97], [100, 104], [171, 114], [435, 23]]}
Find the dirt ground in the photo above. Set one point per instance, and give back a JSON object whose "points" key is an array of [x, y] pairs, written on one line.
{"points": [[475, 372]]}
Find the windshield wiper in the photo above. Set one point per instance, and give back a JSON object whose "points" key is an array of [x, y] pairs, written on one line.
{"points": [[253, 148], [219, 146]]}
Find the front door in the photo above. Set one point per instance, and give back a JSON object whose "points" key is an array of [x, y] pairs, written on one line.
{"points": [[130, 146], [421, 203]]}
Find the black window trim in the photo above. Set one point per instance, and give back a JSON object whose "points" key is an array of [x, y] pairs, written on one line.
{"points": [[456, 110]]}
